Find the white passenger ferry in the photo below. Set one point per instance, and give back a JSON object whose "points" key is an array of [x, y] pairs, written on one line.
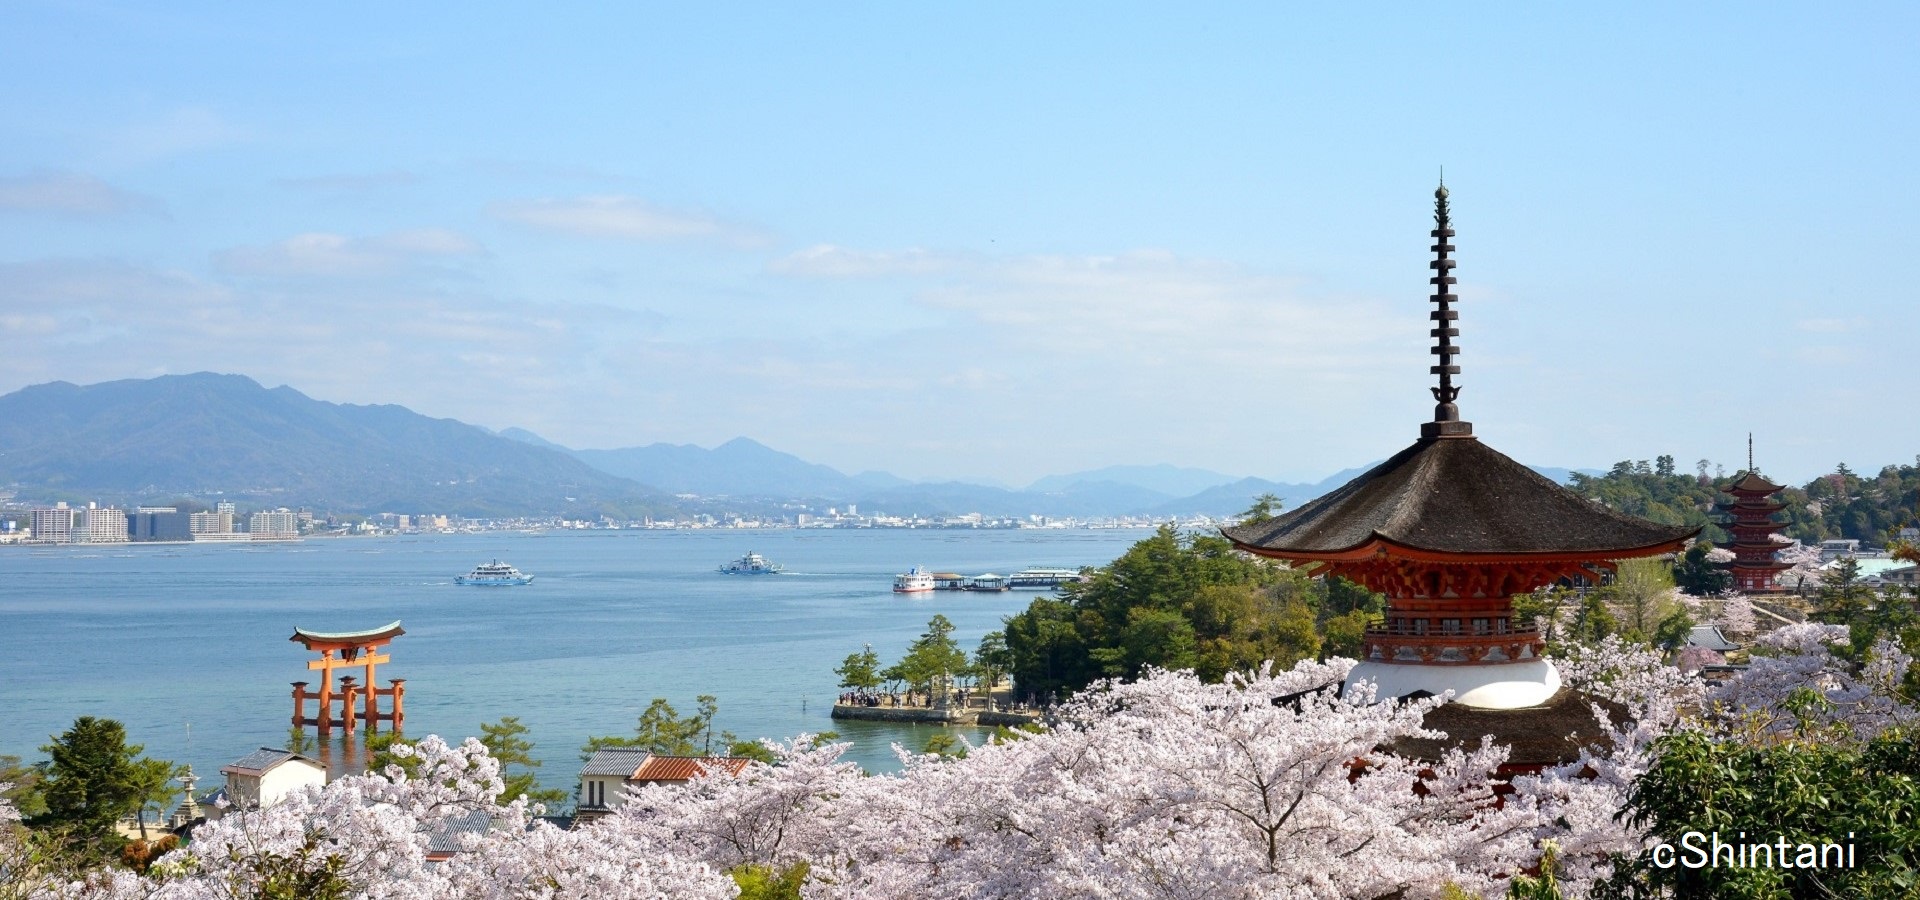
{"points": [[915, 581], [751, 564], [494, 574]]}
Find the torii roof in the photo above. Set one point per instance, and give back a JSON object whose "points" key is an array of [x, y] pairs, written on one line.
{"points": [[1448, 497], [385, 632]]}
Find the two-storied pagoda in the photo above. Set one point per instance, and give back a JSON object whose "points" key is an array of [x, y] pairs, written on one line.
{"points": [[1451, 531]]}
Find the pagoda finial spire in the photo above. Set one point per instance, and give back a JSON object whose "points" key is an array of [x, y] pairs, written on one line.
{"points": [[1446, 416]]}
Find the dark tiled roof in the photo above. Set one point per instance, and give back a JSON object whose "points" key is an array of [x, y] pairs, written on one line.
{"points": [[259, 761], [1454, 495], [1752, 481], [682, 768], [1549, 734], [445, 836], [620, 762]]}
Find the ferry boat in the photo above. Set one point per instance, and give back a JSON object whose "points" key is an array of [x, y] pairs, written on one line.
{"points": [[949, 581], [918, 580], [751, 564], [494, 574], [988, 582], [1044, 578]]}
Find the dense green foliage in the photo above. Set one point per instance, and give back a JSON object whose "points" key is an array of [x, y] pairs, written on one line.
{"points": [[769, 883], [1809, 790], [1694, 573], [92, 778], [661, 729], [1839, 505], [1182, 602], [932, 660], [505, 742]]}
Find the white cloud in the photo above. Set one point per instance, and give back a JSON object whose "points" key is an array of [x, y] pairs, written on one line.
{"points": [[70, 193], [829, 261], [334, 255], [618, 216]]}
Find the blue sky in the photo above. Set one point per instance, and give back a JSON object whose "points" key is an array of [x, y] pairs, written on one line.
{"points": [[985, 240]]}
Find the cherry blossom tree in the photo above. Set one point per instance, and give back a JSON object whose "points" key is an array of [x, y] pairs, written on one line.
{"points": [[1736, 615]]}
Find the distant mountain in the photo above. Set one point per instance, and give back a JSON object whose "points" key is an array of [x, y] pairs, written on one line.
{"points": [[739, 467], [1173, 481], [205, 434]]}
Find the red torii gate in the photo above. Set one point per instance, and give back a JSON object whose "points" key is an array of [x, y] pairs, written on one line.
{"points": [[356, 649]]}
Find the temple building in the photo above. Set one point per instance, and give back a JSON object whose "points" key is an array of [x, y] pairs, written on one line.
{"points": [[1451, 530], [1750, 521]]}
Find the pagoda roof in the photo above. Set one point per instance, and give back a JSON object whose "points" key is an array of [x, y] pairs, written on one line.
{"points": [[385, 632], [1752, 482], [1454, 496]]}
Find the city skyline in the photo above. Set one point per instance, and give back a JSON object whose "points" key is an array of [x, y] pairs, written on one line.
{"points": [[994, 243]]}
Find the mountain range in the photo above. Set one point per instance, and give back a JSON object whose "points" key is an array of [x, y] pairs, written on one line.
{"points": [[206, 435]]}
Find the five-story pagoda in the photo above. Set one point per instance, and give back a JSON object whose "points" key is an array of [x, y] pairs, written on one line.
{"points": [[1750, 521], [1451, 531]]}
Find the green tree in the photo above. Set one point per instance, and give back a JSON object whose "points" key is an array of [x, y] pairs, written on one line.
{"points": [[506, 743], [1814, 788], [860, 671], [1265, 507], [1694, 573], [1641, 594], [1592, 621], [992, 659], [154, 788], [931, 657], [25, 792], [380, 753], [298, 741], [662, 730], [946, 745], [1176, 601], [769, 883], [90, 784]]}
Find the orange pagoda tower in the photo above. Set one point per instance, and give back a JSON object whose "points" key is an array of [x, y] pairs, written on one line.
{"points": [[1451, 531], [1750, 521]]}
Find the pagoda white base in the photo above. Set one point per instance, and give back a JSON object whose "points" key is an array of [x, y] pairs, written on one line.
{"points": [[1504, 686]]}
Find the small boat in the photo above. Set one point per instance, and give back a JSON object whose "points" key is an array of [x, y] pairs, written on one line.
{"points": [[988, 582], [916, 581], [494, 574], [751, 564], [1044, 578]]}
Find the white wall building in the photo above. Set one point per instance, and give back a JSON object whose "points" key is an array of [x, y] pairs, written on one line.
{"points": [[266, 776]]}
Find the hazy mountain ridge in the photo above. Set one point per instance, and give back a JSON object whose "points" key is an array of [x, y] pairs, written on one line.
{"points": [[206, 434]]}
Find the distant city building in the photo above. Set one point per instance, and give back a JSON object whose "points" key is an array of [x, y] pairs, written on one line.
{"points": [[203, 525], [158, 523], [278, 525], [100, 525], [53, 525]]}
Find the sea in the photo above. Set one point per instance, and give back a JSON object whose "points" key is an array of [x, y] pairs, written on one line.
{"points": [[189, 645]]}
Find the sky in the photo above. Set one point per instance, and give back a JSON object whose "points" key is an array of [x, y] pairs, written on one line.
{"points": [[991, 240]]}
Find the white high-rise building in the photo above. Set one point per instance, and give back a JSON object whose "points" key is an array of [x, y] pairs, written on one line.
{"points": [[53, 525], [279, 525], [100, 525]]}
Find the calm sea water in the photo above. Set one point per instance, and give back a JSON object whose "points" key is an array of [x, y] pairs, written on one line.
{"points": [[188, 645]]}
